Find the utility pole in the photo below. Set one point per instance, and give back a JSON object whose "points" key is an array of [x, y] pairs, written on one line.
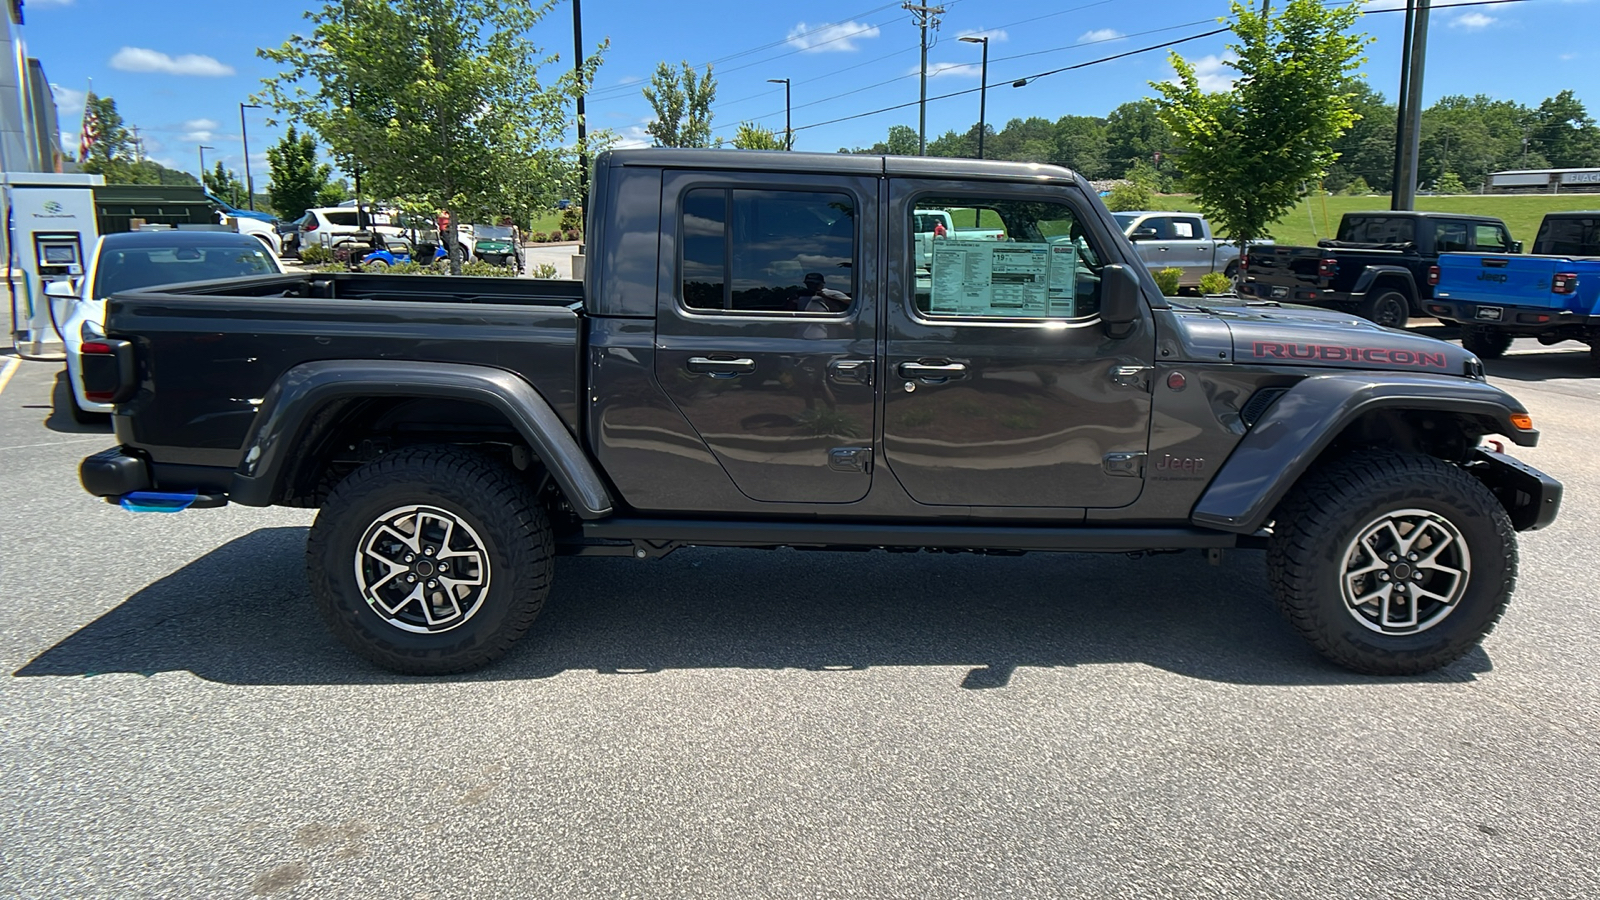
{"points": [[924, 16], [583, 142], [203, 149], [983, 88], [788, 125], [1408, 147]]}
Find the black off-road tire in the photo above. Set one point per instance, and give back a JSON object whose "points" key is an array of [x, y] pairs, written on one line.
{"points": [[1314, 544], [1387, 307], [1594, 357], [1489, 343], [490, 503]]}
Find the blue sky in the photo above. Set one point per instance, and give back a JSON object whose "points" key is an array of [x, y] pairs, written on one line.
{"points": [[179, 68]]}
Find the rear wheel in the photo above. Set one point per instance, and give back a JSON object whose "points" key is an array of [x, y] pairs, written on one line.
{"points": [[1391, 563], [430, 560], [1387, 307], [1489, 343]]}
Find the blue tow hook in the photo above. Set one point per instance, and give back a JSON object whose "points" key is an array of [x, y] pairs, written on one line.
{"points": [[155, 502]]}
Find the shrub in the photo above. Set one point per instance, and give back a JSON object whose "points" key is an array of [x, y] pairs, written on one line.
{"points": [[1358, 188], [1127, 196], [1167, 279], [315, 255], [1215, 283], [574, 235], [570, 220], [545, 270], [481, 269], [538, 237]]}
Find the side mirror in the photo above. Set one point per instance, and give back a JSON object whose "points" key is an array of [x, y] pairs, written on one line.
{"points": [[1516, 246], [1121, 300], [1142, 234], [61, 290]]}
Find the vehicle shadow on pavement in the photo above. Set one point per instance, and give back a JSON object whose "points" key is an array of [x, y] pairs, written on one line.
{"points": [[1542, 364], [60, 419], [242, 615]]}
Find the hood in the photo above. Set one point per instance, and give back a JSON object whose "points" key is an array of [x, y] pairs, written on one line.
{"points": [[1275, 334]]}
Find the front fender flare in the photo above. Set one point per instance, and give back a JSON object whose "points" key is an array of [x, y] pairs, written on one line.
{"points": [[1285, 441], [297, 395]]}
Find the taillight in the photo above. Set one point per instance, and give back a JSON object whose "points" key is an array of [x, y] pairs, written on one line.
{"points": [[106, 367], [96, 348], [311, 226], [1244, 262], [1327, 268], [1565, 283], [1433, 275]]}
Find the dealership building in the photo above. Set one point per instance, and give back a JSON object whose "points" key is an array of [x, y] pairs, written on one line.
{"points": [[1545, 181]]}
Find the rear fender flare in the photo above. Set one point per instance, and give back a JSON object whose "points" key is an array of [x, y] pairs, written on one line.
{"points": [[1294, 431], [294, 399], [1371, 275]]}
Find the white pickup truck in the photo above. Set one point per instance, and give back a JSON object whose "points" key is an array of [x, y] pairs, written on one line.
{"points": [[1180, 241], [928, 222]]}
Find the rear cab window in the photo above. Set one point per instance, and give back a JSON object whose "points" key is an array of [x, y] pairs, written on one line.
{"points": [[1569, 236], [1377, 230]]}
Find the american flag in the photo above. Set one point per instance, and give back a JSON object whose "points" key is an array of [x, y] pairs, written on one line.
{"points": [[91, 128]]}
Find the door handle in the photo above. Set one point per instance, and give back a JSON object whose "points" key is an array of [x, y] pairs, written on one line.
{"points": [[939, 372], [858, 371], [720, 368]]}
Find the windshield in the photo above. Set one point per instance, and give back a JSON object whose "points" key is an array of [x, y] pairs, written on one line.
{"points": [[492, 232], [127, 270], [1124, 219], [1377, 230]]}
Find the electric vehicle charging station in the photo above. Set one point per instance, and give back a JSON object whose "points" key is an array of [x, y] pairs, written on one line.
{"points": [[50, 233]]}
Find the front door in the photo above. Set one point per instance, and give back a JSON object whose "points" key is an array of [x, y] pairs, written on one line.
{"points": [[1002, 388], [766, 342]]}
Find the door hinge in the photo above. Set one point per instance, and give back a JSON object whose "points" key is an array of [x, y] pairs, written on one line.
{"points": [[1131, 376], [1124, 465], [850, 459]]}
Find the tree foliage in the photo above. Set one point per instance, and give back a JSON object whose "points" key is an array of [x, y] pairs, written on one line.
{"points": [[299, 181], [115, 154], [433, 104], [1249, 151], [225, 184], [682, 105], [751, 136]]}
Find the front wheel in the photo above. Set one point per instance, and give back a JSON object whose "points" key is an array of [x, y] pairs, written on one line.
{"points": [[431, 560], [1392, 563], [1388, 308], [1489, 343]]}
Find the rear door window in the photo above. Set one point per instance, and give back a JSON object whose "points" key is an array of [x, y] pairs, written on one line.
{"points": [[768, 252], [1450, 237], [1491, 238]]}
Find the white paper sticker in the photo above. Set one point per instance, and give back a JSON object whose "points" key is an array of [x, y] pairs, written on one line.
{"points": [[988, 278]]}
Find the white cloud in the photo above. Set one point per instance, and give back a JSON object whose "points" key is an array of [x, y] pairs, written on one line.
{"points": [[139, 59], [38, 3], [1473, 21], [632, 138], [1100, 36], [626, 80], [840, 37], [206, 125], [995, 35], [68, 101], [1213, 73], [197, 137]]}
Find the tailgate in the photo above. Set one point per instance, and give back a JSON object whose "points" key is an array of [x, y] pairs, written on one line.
{"points": [[1500, 278], [1284, 265]]}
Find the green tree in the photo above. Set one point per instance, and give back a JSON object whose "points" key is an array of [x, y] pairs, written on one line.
{"points": [[1563, 131], [751, 136], [1367, 150], [297, 177], [1248, 150], [1449, 183], [115, 154], [224, 184], [1135, 132], [438, 104], [1128, 196], [1080, 144], [682, 107]]}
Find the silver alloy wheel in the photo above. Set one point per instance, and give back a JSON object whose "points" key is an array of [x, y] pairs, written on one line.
{"points": [[422, 569], [1405, 572]]}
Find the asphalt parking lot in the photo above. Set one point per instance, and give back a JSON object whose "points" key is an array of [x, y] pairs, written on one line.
{"points": [[175, 721]]}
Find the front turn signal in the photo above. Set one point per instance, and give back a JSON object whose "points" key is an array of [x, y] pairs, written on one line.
{"points": [[1523, 421]]}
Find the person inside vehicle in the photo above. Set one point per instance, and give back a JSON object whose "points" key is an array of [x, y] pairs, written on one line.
{"points": [[815, 297]]}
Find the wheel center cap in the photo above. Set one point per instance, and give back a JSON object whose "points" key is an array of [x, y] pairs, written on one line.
{"points": [[1402, 571], [425, 568]]}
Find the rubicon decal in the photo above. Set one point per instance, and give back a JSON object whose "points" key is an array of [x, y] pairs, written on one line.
{"points": [[1382, 356]]}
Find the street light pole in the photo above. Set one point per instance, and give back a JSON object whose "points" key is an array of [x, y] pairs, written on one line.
{"points": [[203, 149], [583, 145], [244, 134], [983, 88], [788, 123]]}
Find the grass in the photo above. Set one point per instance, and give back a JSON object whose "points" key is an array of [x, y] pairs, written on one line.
{"points": [[1318, 217]]}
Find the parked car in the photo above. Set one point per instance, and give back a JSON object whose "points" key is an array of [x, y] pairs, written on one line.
{"points": [[132, 260], [289, 235], [1382, 265], [754, 360], [1552, 295], [1181, 241], [231, 210], [261, 231], [496, 245], [940, 224], [332, 226]]}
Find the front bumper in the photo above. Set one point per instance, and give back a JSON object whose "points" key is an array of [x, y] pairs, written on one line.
{"points": [[1530, 497]]}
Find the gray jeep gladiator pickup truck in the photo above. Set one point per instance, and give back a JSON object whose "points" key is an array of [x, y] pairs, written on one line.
{"points": [[760, 358]]}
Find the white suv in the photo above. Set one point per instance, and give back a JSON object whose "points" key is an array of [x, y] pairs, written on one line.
{"points": [[333, 225]]}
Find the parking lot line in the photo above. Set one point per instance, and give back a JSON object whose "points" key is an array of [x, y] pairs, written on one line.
{"points": [[12, 365]]}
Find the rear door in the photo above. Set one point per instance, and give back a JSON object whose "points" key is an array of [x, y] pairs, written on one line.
{"points": [[1190, 250], [766, 341], [1002, 387]]}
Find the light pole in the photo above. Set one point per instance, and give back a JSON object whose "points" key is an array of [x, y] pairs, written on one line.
{"points": [[203, 149], [788, 129], [244, 133], [583, 144], [983, 88]]}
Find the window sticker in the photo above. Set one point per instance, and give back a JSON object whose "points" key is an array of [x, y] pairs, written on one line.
{"points": [[1183, 230], [1015, 280]]}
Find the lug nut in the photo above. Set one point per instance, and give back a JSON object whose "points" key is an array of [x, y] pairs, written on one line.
{"points": [[1416, 576], [1393, 558], [411, 579], [433, 584], [445, 567], [1383, 576], [428, 551], [1412, 556], [411, 557]]}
